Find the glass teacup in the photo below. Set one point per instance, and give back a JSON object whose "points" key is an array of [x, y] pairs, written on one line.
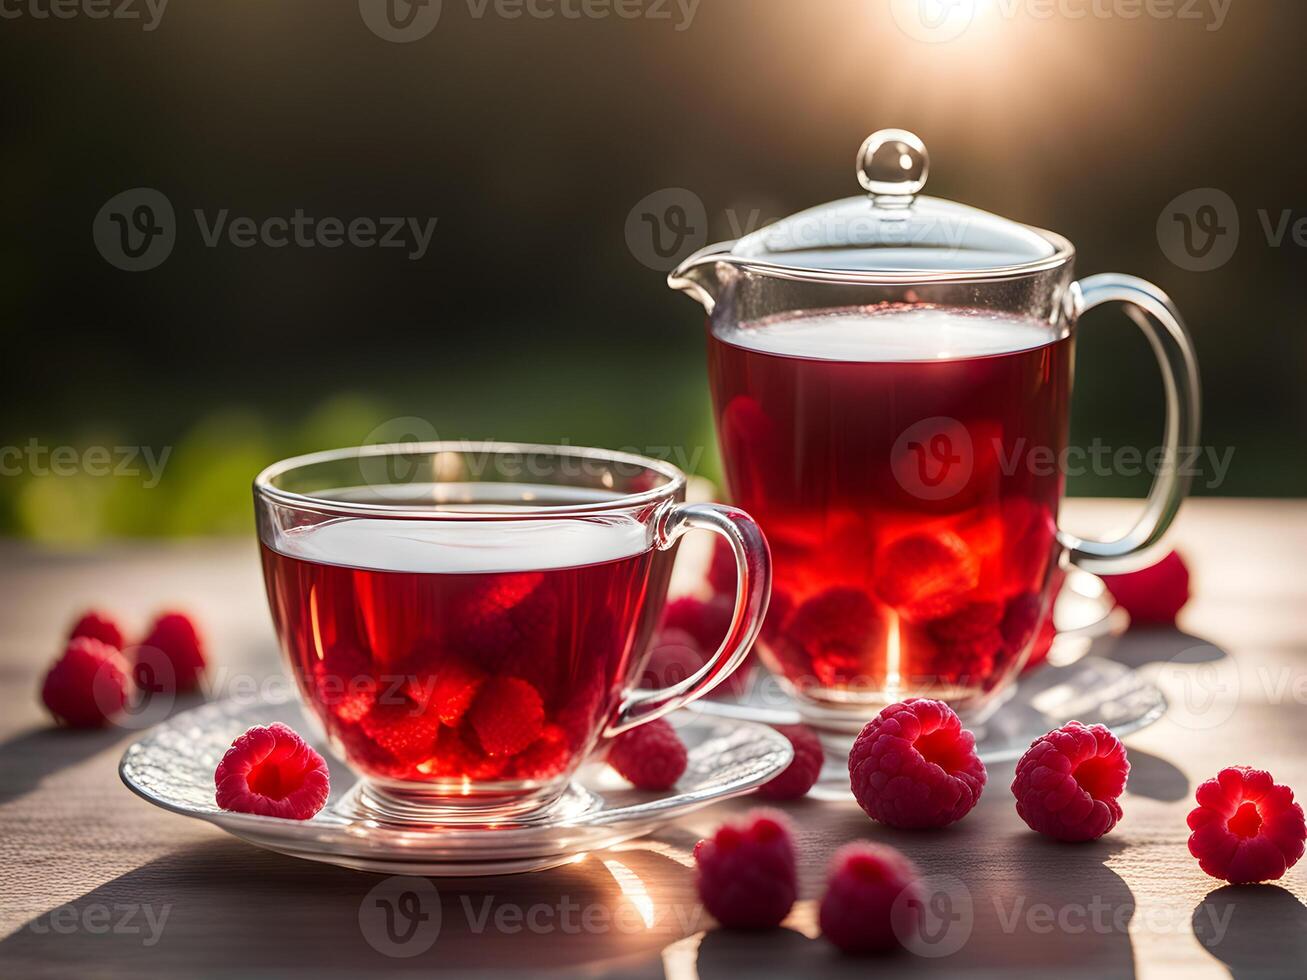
{"points": [[468, 620]]}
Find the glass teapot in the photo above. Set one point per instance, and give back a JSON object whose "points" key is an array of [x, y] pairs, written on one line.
{"points": [[891, 377]]}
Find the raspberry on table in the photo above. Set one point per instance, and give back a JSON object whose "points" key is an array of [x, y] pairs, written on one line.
{"points": [[804, 769], [746, 871], [1246, 827], [89, 685], [98, 625], [926, 575], [175, 636], [1153, 596], [858, 910], [507, 715], [273, 772], [915, 767], [1068, 782], [649, 756]]}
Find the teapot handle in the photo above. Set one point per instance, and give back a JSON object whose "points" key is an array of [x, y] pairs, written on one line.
{"points": [[1155, 314]]}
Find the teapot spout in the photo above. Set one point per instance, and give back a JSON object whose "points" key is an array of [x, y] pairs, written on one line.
{"points": [[704, 275]]}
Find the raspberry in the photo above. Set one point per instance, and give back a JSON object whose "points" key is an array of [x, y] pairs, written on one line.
{"points": [[708, 622], [98, 626], [926, 575], [1068, 782], [547, 756], [1029, 533], [968, 661], [862, 897], [507, 715], [510, 625], [89, 685], [343, 683], [804, 769], [402, 727], [449, 690], [1155, 595], [832, 635], [650, 756], [914, 766], [458, 755], [972, 620], [968, 644], [1246, 827], [746, 872], [585, 710], [273, 772], [174, 636]]}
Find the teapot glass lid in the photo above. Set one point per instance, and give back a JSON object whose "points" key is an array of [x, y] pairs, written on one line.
{"points": [[893, 230]]}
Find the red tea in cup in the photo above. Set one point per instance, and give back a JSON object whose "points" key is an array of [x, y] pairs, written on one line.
{"points": [[430, 653]]}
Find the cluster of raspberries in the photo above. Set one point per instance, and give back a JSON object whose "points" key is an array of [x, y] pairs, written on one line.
{"points": [[99, 676], [747, 879], [915, 767]]}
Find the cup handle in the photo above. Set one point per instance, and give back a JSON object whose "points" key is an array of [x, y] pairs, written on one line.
{"points": [[1155, 314], [752, 593]]}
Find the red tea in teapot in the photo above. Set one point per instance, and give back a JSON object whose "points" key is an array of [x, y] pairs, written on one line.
{"points": [[903, 462]]}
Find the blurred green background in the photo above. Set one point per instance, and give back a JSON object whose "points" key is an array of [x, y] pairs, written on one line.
{"points": [[530, 139]]}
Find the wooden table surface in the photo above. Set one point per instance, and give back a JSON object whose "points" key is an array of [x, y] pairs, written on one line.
{"points": [[96, 882]]}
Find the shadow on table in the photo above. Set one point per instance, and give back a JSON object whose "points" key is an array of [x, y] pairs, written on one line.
{"points": [[1154, 778], [39, 753], [1255, 930], [1152, 645], [228, 908]]}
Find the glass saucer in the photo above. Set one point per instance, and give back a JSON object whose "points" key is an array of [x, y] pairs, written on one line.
{"points": [[172, 767]]}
